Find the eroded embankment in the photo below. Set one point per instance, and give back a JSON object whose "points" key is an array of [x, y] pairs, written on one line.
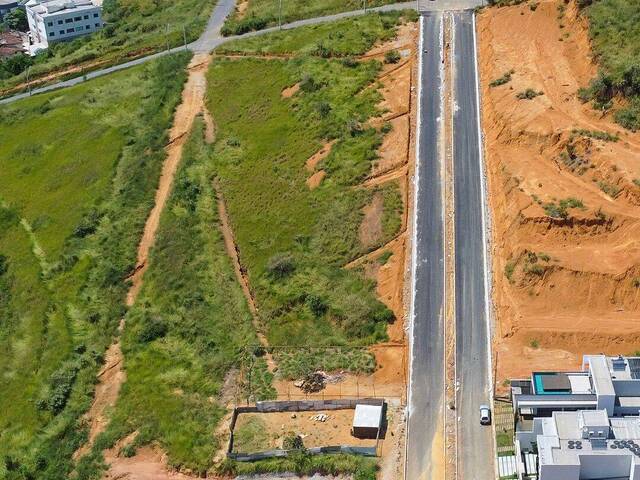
{"points": [[566, 216]]}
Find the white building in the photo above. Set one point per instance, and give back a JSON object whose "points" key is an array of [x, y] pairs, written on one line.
{"points": [[582, 445], [58, 20], [605, 383]]}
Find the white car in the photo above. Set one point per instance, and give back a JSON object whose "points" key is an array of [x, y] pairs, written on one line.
{"points": [[485, 415]]}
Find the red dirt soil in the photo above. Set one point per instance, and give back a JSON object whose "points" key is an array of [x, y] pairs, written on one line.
{"points": [[581, 298]]}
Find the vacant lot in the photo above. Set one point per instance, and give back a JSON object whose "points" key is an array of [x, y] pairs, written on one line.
{"points": [[258, 14], [134, 28], [563, 193], [79, 172], [295, 240]]}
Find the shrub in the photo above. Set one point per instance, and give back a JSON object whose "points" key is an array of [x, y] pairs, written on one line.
{"points": [[152, 329], [281, 265], [392, 56], [505, 78], [308, 84], [350, 62], [4, 264], [509, 268], [528, 94], [292, 441]]}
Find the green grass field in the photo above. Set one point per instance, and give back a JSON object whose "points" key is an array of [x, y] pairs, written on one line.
{"points": [[134, 28], [295, 242], [261, 14], [615, 31], [187, 328], [80, 168]]}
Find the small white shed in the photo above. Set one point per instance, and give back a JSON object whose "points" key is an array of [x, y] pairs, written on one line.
{"points": [[367, 421]]}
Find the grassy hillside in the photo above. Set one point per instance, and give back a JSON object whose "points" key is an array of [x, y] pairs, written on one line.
{"points": [[295, 241], [134, 28], [615, 32], [187, 328], [80, 168], [258, 14]]}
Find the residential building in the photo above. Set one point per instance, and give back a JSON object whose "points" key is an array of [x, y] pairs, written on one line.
{"points": [[581, 445], [6, 6], [604, 383], [59, 20], [579, 425]]}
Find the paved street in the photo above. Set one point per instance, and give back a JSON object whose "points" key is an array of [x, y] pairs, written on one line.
{"points": [[426, 397], [475, 443]]}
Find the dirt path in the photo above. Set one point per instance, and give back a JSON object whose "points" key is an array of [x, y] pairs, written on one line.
{"points": [[232, 251], [112, 375]]}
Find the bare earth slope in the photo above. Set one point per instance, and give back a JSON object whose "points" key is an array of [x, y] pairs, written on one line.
{"points": [[566, 279]]}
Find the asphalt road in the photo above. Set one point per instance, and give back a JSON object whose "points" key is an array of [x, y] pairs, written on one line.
{"points": [[475, 443], [426, 392]]}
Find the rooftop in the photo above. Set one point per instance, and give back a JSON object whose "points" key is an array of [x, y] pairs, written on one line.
{"points": [[50, 7], [569, 438]]}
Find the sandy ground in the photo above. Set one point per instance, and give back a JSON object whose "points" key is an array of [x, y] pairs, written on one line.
{"points": [[583, 300], [334, 431]]}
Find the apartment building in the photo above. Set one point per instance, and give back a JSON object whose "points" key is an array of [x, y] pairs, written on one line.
{"points": [[59, 20]]}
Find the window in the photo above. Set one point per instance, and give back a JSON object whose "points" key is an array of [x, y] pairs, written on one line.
{"points": [[50, 24], [52, 34], [79, 28], [60, 22], [68, 20], [70, 30], [87, 27], [86, 17], [95, 15], [61, 32], [77, 19], [97, 25]]}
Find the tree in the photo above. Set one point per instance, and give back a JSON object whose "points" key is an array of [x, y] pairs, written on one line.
{"points": [[17, 20]]}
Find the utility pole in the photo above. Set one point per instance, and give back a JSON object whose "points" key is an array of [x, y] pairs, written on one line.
{"points": [[166, 36], [364, 6], [184, 36], [280, 15], [28, 84]]}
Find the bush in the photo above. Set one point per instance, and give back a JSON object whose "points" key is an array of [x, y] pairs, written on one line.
{"points": [[281, 266], [505, 78], [528, 94], [292, 441], [152, 329], [392, 56]]}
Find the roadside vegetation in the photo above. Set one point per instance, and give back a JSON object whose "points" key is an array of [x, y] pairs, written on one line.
{"points": [[303, 463], [79, 171], [293, 241], [187, 328], [132, 28], [259, 14], [342, 38], [615, 32]]}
